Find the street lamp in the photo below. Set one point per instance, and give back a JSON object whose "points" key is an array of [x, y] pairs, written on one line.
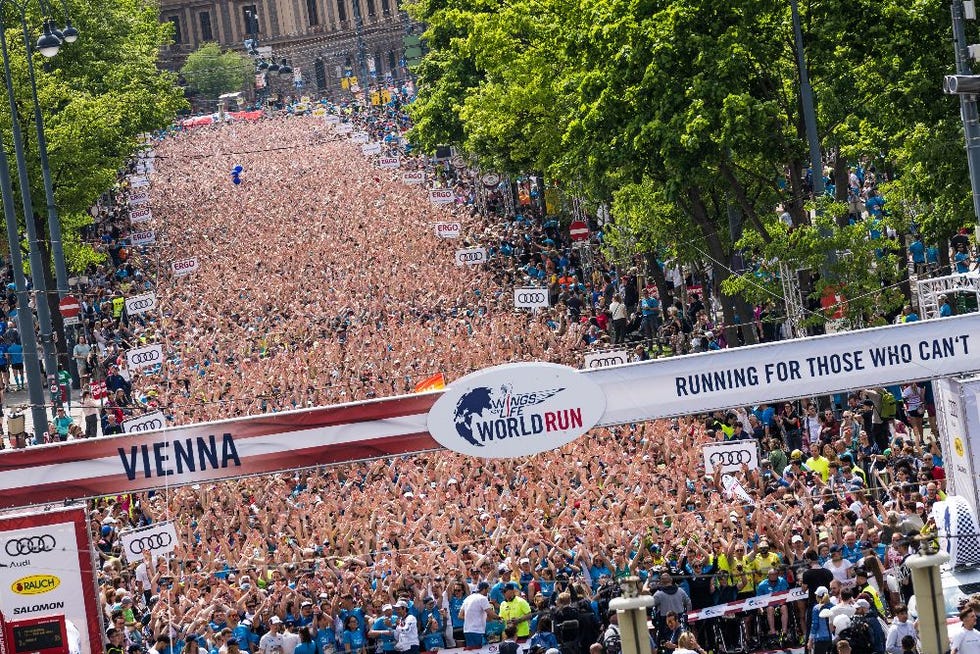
{"points": [[49, 43]]}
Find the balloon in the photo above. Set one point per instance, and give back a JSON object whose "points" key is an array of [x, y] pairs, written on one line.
{"points": [[236, 180], [237, 169]]}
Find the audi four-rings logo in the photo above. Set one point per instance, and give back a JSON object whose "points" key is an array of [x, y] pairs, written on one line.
{"points": [[144, 357], [151, 542], [30, 545], [605, 362], [149, 425], [470, 256], [141, 303], [730, 458], [531, 298]]}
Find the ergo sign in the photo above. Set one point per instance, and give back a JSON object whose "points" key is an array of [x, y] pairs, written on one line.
{"points": [[448, 230], [531, 298], [142, 215], [184, 266], [389, 162], [442, 196], [413, 177]]}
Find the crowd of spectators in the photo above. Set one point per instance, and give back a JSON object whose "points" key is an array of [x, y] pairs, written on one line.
{"points": [[321, 281]]}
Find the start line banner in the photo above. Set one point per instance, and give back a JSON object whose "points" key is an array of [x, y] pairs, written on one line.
{"points": [[749, 604], [398, 425]]}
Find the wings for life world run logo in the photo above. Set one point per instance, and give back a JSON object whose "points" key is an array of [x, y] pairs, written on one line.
{"points": [[516, 410]]}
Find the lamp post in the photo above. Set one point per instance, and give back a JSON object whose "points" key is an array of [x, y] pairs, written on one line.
{"points": [[48, 45]]}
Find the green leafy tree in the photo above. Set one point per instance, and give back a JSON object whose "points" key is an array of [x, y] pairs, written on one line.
{"points": [[211, 72]]}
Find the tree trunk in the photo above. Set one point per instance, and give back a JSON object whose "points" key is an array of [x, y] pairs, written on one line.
{"points": [[655, 271], [796, 208], [50, 283], [840, 186]]}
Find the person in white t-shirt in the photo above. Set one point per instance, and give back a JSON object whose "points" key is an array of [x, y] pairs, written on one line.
{"points": [[271, 642], [968, 640], [407, 630], [475, 610]]}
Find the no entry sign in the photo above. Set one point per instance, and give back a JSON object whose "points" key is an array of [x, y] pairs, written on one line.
{"points": [[578, 230]]}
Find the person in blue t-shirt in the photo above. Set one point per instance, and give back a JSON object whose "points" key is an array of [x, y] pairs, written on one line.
{"points": [[351, 639], [917, 250], [347, 609], [383, 630], [962, 259], [774, 583], [326, 636], [242, 632], [945, 310]]}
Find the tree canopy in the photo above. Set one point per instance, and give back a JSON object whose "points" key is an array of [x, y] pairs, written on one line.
{"points": [[211, 72], [685, 113]]}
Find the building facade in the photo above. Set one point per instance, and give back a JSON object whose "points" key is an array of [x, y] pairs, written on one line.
{"points": [[325, 41]]}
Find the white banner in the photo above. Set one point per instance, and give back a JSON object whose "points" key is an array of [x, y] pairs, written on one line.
{"points": [[157, 539], [442, 196], [471, 256], [959, 427], [147, 422], [413, 177], [137, 198], [138, 304], [331, 119], [531, 298], [369, 149], [183, 267], [448, 230], [343, 128], [141, 215], [729, 456], [138, 181], [606, 359], [144, 357], [42, 572], [359, 137], [819, 365], [147, 237], [389, 162]]}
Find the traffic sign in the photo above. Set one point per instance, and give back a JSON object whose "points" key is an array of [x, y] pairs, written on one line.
{"points": [[69, 306], [578, 230]]}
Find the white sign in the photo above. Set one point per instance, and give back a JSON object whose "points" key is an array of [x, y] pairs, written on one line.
{"points": [[531, 298], [729, 456], [413, 177], [138, 198], [68, 321], [144, 357], [958, 415], [817, 365], [442, 196], [606, 359], [369, 149], [143, 238], [141, 215], [343, 128], [141, 304], [331, 119], [515, 410], [138, 181], [155, 421], [389, 162], [471, 256], [183, 267], [359, 137], [41, 574], [448, 230], [157, 539]]}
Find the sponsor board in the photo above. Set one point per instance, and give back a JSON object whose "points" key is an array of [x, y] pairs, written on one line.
{"points": [[359, 137], [331, 119], [516, 410], [413, 177], [389, 163], [157, 539], [730, 456], [46, 572], [448, 230], [442, 196], [471, 256], [138, 181], [369, 149], [343, 128], [491, 180], [144, 357], [606, 359], [183, 267], [147, 237], [141, 215], [147, 422], [138, 198], [143, 303], [531, 298]]}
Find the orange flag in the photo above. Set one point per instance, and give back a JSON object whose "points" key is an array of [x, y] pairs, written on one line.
{"points": [[434, 383]]}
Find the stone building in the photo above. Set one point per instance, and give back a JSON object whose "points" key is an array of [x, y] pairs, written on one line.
{"points": [[325, 41]]}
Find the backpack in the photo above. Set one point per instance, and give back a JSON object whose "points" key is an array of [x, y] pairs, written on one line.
{"points": [[889, 405], [612, 642], [859, 636]]}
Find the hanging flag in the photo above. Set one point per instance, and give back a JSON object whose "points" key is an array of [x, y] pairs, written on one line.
{"points": [[434, 383]]}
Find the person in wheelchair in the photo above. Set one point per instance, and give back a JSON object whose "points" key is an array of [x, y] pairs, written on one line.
{"points": [[774, 583]]}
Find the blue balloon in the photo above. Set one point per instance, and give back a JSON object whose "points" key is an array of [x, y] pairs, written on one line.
{"points": [[237, 169], [236, 180]]}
